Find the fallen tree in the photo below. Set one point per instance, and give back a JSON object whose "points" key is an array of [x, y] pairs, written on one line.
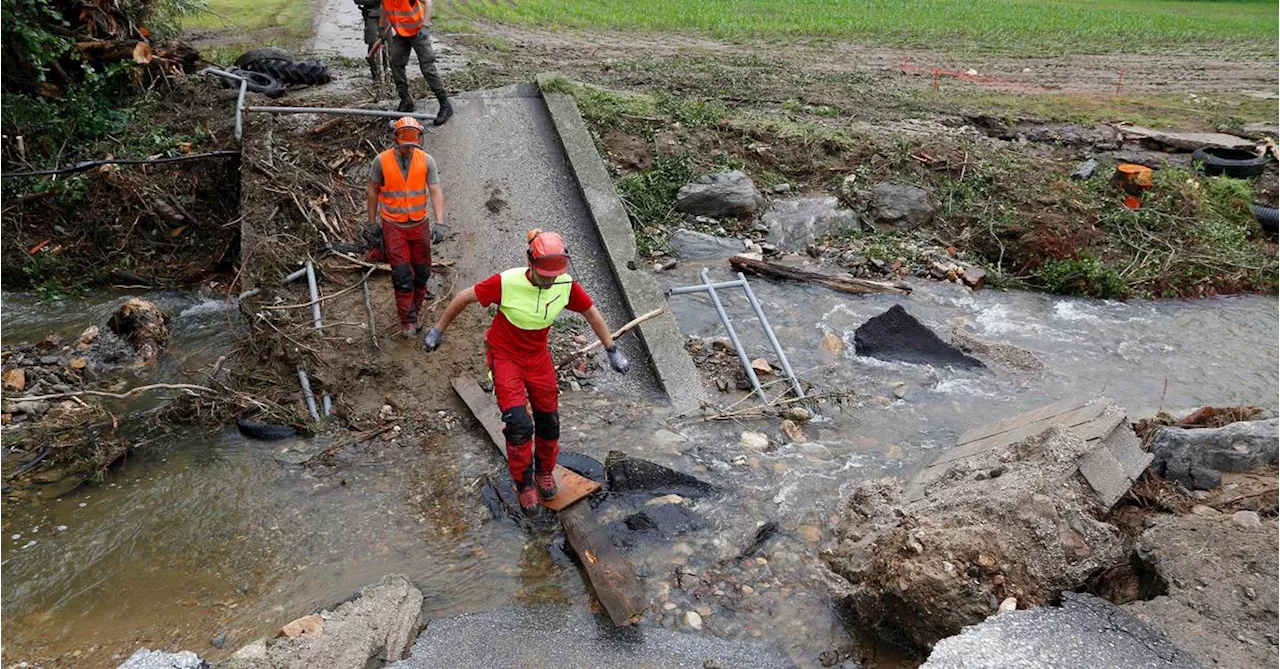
{"points": [[844, 284]]}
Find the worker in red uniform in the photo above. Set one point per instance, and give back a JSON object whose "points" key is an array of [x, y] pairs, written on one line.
{"points": [[529, 299], [403, 181]]}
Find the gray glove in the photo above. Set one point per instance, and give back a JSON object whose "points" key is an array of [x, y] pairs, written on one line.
{"points": [[617, 361], [433, 340]]}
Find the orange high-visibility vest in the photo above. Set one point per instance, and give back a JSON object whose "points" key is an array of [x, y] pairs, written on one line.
{"points": [[403, 198], [405, 16]]}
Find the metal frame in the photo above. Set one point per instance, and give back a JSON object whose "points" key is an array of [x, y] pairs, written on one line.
{"points": [[710, 288]]}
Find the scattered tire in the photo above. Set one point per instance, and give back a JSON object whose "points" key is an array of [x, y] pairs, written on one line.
{"points": [[1267, 218], [1237, 163], [260, 82], [312, 72], [248, 58], [258, 430]]}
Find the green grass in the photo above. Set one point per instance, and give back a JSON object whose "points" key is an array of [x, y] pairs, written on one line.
{"points": [[1160, 110], [1029, 27], [239, 24]]}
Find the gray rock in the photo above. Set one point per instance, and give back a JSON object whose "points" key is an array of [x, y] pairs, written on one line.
{"points": [[1246, 520], [31, 407], [1086, 631], [376, 628], [50, 360], [1260, 130], [155, 659], [693, 245], [730, 194], [901, 206], [795, 224], [1195, 457]]}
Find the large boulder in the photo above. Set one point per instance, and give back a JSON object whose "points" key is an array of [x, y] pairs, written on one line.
{"points": [[693, 245], [795, 224], [1085, 631], [1196, 457], [375, 629], [1012, 522], [900, 206], [897, 336], [726, 194]]}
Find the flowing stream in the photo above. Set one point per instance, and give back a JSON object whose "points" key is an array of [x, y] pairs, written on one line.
{"points": [[206, 540]]}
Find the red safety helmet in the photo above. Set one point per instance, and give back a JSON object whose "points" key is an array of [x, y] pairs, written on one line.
{"points": [[407, 130], [547, 254]]}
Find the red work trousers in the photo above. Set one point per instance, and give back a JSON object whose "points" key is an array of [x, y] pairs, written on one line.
{"points": [[408, 249], [532, 380]]}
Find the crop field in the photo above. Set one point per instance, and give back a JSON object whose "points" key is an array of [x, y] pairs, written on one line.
{"points": [[1017, 27]]}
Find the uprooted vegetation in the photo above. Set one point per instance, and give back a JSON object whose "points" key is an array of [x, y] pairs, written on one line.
{"points": [[1014, 211]]}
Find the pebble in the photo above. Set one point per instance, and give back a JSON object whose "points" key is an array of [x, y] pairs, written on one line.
{"points": [[704, 611], [669, 606], [220, 640], [746, 589], [900, 390], [1009, 604], [665, 499], [1206, 511], [754, 440], [1246, 519], [692, 619]]}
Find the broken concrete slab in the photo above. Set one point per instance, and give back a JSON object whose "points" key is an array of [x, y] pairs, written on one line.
{"points": [[897, 336], [1086, 631], [1196, 457], [1185, 141], [375, 628]]}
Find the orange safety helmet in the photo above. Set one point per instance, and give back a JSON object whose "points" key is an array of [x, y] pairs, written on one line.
{"points": [[547, 254], [405, 128]]}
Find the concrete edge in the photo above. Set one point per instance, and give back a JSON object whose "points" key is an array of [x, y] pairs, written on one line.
{"points": [[660, 336]]}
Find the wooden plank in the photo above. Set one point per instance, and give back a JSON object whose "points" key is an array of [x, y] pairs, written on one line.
{"points": [[571, 485], [1012, 422], [1068, 420], [844, 284], [610, 575]]}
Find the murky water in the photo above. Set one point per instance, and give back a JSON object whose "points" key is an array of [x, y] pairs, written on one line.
{"points": [[204, 534]]}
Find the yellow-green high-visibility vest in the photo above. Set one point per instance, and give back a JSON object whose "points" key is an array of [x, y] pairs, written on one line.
{"points": [[531, 307]]}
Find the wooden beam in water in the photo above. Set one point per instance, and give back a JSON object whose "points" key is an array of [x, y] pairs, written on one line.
{"points": [[610, 575]]}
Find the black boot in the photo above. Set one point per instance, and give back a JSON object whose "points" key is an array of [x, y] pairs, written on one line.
{"points": [[446, 109], [406, 103]]}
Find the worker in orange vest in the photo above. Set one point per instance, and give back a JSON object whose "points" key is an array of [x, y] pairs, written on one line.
{"points": [[406, 23], [403, 181], [528, 299]]}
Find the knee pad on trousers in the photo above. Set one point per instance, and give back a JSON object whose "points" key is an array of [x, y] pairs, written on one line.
{"points": [[519, 427], [547, 425], [402, 278], [420, 275]]}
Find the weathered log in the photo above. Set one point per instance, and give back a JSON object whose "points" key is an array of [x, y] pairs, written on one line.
{"points": [[610, 575], [844, 284]]}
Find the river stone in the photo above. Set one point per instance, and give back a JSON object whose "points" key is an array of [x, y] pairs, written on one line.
{"points": [[900, 206], [693, 245], [896, 336], [155, 659], [795, 224], [1196, 457], [1247, 520], [1086, 631], [726, 194]]}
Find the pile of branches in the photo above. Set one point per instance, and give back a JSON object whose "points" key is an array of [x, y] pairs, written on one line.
{"points": [[50, 45]]}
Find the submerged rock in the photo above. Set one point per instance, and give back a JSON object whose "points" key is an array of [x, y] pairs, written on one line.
{"points": [[896, 336], [627, 474]]}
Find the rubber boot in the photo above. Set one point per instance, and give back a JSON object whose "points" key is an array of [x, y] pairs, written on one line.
{"points": [[546, 485], [446, 109], [406, 101]]}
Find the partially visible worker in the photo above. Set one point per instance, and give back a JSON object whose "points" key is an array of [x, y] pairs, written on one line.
{"points": [[408, 21], [529, 298], [371, 13], [403, 182]]}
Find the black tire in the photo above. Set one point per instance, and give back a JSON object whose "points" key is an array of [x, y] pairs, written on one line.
{"points": [[307, 72], [260, 82], [1236, 163], [248, 58], [1267, 218], [265, 431]]}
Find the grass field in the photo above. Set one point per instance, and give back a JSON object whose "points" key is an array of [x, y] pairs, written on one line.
{"points": [[1023, 27], [239, 23]]}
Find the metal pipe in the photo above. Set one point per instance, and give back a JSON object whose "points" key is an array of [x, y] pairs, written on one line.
{"points": [[315, 295], [295, 276], [339, 110], [733, 336], [244, 86], [306, 393], [773, 339], [326, 403], [685, 290], [249, 293]]}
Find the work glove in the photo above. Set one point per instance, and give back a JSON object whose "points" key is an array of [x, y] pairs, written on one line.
{"points": [[617, 361], [433, 340]]}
